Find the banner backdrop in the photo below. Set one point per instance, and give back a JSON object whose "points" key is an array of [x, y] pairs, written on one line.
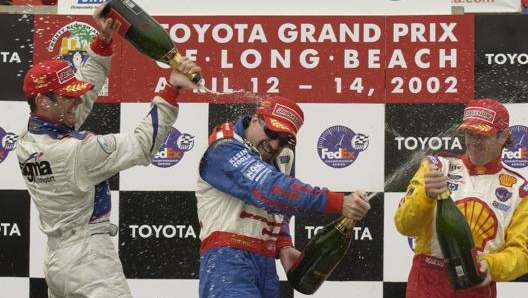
{"points": [[361, 59], [298, 7], [398, 83], [272, 7]]}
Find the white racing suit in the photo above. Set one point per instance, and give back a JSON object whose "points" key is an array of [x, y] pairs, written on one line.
{"points": [[65, 171], [244, 205]]}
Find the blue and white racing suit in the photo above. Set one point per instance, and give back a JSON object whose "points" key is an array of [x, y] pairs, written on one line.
{"points": [[244, 206]]}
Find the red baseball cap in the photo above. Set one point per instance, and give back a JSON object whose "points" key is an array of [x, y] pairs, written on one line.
{"points": [[281, 114], [55, 76], [485, 117]]}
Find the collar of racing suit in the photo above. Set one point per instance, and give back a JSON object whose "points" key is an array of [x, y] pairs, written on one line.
{"points": [[240, 129], [489, 168], [40, 125]]}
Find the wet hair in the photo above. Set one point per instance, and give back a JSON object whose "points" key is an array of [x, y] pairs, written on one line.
{"points": [[32, 104]]}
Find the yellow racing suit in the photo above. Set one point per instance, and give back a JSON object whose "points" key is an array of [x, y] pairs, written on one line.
{"points": [[494, 201]]}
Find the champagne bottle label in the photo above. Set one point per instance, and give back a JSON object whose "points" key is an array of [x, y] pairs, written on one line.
{"points": [[345, 226], [321, 256], [460, 271], [124, 25], [456, 263], [309, 272], [132, 6]]}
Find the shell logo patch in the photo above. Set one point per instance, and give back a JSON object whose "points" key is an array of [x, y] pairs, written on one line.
{"points": [[507, 180], [481, 219]]}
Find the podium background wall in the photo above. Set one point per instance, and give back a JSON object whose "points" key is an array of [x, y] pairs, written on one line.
{"points": [[413, 91]]}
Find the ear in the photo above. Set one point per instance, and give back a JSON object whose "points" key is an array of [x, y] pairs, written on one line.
{"points": [[504, 135], [42, 102], [254, 118]]}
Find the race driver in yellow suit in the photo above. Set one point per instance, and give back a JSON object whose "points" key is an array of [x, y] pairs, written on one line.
{"points": [[492, 198]]}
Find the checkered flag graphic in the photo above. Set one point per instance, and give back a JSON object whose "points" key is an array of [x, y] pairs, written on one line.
{"points": [[360, 142], [9, 141], [186, 142]]}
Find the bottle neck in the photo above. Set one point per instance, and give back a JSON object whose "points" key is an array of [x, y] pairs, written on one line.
{"points": [[173, 57], [344, 224], [445, 195]]}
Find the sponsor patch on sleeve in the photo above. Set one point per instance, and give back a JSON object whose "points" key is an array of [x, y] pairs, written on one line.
{"points": [[107, 143], [410, 191]]}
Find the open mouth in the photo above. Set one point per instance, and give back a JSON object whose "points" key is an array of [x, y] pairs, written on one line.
{"points": [[266, 147]]}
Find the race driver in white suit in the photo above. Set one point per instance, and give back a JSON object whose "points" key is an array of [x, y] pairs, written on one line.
{"points": [[66, 170]]}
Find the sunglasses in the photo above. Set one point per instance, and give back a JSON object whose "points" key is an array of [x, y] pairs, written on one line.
{"points": [[283, 138]]}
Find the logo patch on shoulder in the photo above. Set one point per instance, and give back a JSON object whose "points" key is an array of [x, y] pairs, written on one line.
{"points": [[284, 159], [410, 192], [107, 143]]}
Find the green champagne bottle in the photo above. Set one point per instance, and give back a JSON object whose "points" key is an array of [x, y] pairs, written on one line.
{"points": [[144, 33], [456, 243], [321, 256]]}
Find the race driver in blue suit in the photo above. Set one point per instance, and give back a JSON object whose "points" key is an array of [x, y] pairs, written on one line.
{"points": [[246, 194]]}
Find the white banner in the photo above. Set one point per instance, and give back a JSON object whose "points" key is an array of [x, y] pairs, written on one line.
{"points": [[488, 6], [272, 7]]}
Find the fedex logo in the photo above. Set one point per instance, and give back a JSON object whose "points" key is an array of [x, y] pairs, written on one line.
{"points": [[169, 153], [173, 149], [342, 153], [520, 153], [516, 156], [339, 146]]}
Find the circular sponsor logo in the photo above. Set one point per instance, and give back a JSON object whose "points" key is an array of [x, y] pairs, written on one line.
{"points": [[515, 156], [502, 194], [339, 146], [172, 151], [7, 143], [72, 42]]}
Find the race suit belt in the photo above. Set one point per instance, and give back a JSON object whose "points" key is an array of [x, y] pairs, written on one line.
{"points": [[66, 237], [225, 239], [430, 261]]}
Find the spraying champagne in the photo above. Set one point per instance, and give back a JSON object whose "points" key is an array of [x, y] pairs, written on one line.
{"points": [[456, 242], [144, 33], [322, 254]]}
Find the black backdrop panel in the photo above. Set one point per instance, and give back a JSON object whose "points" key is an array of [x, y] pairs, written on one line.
{"points": [[413, 131], [14, 233], [16, 54], [364, 259], [158, 234], [501, 57]]}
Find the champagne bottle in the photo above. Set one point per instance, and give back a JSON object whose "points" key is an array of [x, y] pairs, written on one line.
{"points": [[456, 243], [321, 256], [144, 33]]}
